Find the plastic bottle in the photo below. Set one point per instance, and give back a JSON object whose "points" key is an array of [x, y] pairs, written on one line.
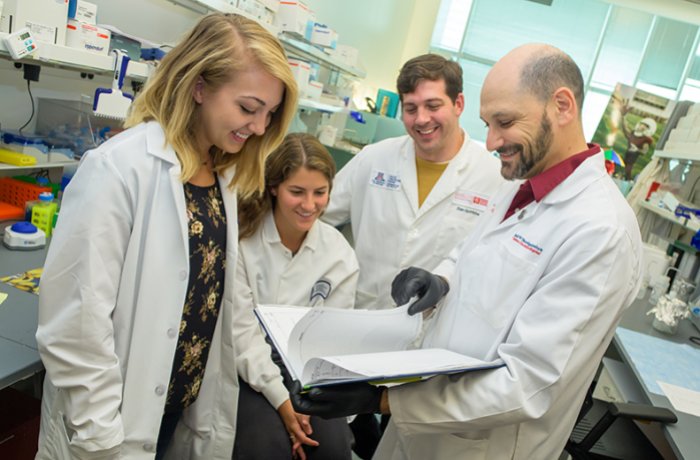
{"points": [[659, 286], [43, 212]]}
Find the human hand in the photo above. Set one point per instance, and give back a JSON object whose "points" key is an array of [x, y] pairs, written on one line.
{"points": [[298, 427], [413, 281], [624, 108], [337, 400]]}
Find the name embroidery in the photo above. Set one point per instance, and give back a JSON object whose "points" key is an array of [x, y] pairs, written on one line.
{"points": [[532, 247]]}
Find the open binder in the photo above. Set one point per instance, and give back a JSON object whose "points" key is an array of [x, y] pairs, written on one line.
{"points": [[327, 346]]}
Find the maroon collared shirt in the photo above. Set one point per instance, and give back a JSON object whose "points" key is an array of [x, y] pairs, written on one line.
{"points": [[536, 188]]}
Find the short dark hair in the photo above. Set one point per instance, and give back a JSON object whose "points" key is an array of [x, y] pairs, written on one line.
{"points": [[549, 70], [430, 67]]}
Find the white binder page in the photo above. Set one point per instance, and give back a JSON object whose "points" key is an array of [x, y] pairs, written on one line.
{"points": [[333, 331], [394, 364], [278, 322]]}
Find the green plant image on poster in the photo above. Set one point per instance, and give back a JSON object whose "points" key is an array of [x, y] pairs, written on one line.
{"points": [[631, 126]]}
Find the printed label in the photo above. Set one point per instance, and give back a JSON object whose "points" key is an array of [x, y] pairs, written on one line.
{"points": [[385, 180]]}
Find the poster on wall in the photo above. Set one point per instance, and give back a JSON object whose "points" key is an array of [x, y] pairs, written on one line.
{"points": [[631, 125]]}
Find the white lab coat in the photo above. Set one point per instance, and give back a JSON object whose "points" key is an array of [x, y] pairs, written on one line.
{"points": [[377, 191], [112, 293], [322, 273], [544, 291]]}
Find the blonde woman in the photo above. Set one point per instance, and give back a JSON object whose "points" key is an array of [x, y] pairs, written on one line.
{"points": [[135, 315], [288, 256]]}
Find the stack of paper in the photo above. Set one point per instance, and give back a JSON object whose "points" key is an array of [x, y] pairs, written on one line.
{"points": [[327, 346]]}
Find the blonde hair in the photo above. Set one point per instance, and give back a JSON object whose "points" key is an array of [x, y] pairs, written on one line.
{"points": [[216, 49], [298, 150]]}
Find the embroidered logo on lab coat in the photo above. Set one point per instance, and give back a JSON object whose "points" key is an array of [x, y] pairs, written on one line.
{"points": [[385, 180], [470, 202], [522, 241], [321, 290]]}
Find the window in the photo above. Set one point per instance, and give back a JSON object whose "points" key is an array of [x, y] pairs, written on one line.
{"points": [[622, 48], [610, 44]]}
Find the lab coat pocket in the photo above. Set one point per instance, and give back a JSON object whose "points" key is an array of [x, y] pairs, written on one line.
{"points": [[498, 287], [454, 229], [57, 441]]}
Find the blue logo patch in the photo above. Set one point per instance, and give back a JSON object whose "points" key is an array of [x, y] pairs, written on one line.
{"points": [[385, 180]]}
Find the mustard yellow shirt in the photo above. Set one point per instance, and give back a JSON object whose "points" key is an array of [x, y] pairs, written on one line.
{"points": [[428, 174]]}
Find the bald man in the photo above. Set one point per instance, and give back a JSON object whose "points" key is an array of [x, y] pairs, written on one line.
{"points": [[540, 283]]}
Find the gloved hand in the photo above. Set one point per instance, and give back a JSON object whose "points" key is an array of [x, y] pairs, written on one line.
{"points": [[337, 400], [413, 281]]}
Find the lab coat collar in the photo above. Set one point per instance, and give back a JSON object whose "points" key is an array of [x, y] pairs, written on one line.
{"points": [[157, 146], [272, 236], [591, 170]]}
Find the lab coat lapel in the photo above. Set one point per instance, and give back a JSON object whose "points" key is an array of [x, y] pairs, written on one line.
{"points": [[409, 177], [157, 146]]}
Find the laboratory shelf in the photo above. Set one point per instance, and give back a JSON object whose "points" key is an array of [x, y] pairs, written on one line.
{"points": [[54, 164], [304, 49], [691, 224], [678, 155], [320, 106], [75, 59], [222, 6]]}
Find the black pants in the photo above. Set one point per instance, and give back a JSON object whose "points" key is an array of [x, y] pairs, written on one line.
{"points": [[261, 434], [367, 429]]}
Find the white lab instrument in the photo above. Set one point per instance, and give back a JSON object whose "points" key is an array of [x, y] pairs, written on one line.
{"points": [[20, 44], [24, 236]]}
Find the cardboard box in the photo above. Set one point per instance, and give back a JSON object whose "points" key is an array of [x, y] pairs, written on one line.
{"points": [[301, 71], [272, 5], [314, 89], [323, 35], [292, 17], [87, 37], [46, 19], [82, 11]]}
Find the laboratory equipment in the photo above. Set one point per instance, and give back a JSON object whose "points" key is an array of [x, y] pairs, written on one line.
{"points": [[112, 102], [659, 286], [24, 236], [20, 44], [43, 212]]}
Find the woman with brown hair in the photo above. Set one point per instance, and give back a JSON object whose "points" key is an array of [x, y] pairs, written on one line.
{"points": [[287, 256]]}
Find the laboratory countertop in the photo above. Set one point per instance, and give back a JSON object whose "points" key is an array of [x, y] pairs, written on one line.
{"points": [[683, 435], [19, 357]]}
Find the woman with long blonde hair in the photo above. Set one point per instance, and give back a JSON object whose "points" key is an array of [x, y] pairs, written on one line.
{"points": [[135, 314]]}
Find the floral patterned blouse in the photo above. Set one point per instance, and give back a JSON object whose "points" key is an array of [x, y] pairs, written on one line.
{"points": [[207, 242]]}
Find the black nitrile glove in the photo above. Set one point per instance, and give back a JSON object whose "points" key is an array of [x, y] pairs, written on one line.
{"points": [[337, 400], [413, 281]]}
